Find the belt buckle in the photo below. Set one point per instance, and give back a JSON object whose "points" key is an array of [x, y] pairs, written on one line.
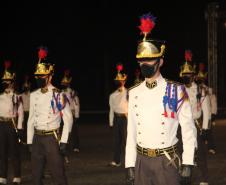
{"points": [[151, 153]]}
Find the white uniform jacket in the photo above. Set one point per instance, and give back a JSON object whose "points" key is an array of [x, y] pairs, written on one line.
{"points": [[194, 100], [118, 103], [151, 126], [11, 107], [73, 101], [45, 113]]}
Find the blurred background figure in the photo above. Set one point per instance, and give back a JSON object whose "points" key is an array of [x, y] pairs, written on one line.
{"points": [[200, 104], [74, 102], [11, 119], [26, 87], [201, 79], [118, 115]]}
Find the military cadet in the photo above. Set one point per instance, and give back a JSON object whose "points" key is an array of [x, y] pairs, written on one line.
{"points": [[156, 107], [73, 100], [138, 78], [26, 103], [47, 107], [11, 118], [118, 115], [200, 104], [210, 98]]}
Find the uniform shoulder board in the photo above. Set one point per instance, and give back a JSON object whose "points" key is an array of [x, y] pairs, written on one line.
{"points": [[173, 82], [56, 90], [136, 85]]}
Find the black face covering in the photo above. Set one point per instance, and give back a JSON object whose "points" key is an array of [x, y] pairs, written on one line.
{"points": [[26, 89], [41, 82], [5, 86], [186, 80], [118, 83], [149, 71], [199, 81]]}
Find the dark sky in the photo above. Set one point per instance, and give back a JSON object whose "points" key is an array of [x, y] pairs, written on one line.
{"points": [[91, 37]]}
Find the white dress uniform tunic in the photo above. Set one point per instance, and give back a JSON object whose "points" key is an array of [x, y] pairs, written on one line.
{"points": [[73, 101], [150, 126], [195, 102], [43, 116], [118, 104], [12, 107]]}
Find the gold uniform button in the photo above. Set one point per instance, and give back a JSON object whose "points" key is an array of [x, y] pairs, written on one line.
{"points": [[135, 105], [138, 123], [139, 132], [162, 133], [137, 114], [163, 143]]}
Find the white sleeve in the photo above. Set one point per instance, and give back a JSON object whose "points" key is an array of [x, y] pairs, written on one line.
{"points": [[30, 123], [206, 111], [188, 131], [68, 121], [131, 141], [213, 100], [111, 112], [77, 106]]}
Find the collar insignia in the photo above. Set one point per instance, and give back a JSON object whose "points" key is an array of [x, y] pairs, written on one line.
{"points": [[151, 85]]}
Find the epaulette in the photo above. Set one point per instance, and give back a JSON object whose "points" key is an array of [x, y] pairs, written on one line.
{"points": [[56, 90], [173, 82], [136, 85]]}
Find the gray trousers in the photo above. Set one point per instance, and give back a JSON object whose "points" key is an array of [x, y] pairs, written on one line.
{"points": [[155, 171], [45, 149], [9, 148]]}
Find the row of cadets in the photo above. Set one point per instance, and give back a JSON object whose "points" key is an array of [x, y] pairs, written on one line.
{"points": [[207, 129], [200, 103]]}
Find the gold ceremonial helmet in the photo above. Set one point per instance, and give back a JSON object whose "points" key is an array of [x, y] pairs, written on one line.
{"points": [[8, 75], [120, 76], [147, 48], [43, 68], [67, 78], [187, 67], [201, 74]]}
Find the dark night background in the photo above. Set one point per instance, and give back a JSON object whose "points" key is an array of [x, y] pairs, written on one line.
{"points": [[91, 37]]}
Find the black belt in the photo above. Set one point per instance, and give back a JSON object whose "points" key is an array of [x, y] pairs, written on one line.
{"points": [[120, 114], [155, 152], [5, 119], [45, 132]]}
